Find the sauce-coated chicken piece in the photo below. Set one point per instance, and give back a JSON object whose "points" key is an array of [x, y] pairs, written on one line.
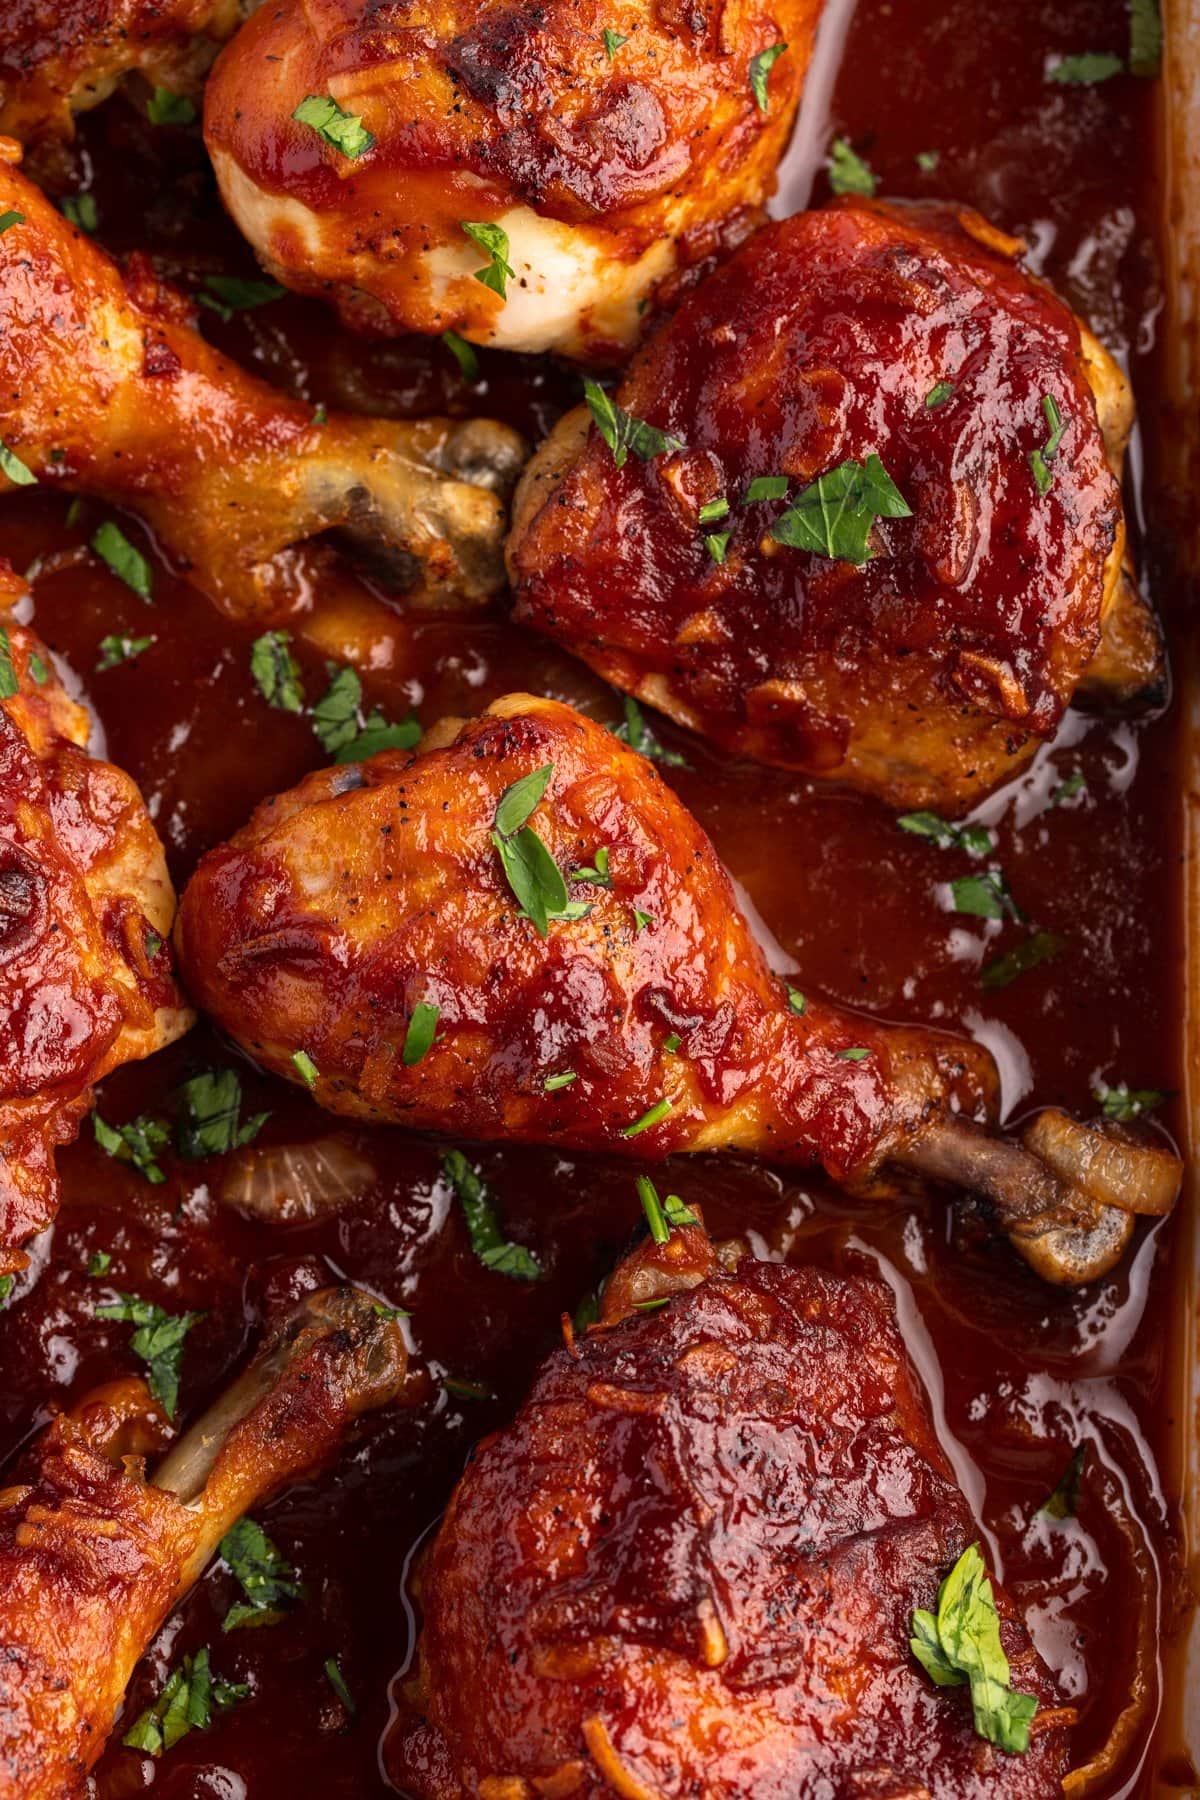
{"points": [[644, 1019], [611, 144], [106, 389], [923, 662], [86, 909], [689, 1567], [93, 1557], [62, 57]]}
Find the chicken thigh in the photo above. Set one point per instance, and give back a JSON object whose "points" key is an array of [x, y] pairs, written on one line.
{"points": [[855, 510], [106, 389], [399, 936], [86, 909], [526, 175], [93, 1557], [690, 1566]]}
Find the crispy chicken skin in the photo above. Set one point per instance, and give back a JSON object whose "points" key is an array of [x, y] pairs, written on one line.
{"points": [[373, 889], [606, 170], [86, 909], [688, 1568], [933, 670], [93, 1557], [62, 57], [106, 389]]}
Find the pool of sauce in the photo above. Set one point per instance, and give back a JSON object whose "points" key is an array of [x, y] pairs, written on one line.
{"points": [[1020, 1375]]}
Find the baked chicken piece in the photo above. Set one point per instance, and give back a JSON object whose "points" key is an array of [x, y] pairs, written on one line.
{"points": [[522, 935], [86, 909], [93, 1557], [874, 532], [690, 1566], [576, 154], [62, 57], [106, 389]]}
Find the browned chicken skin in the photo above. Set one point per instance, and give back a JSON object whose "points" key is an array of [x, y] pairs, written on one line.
{"points": [[106, 389], [93, 1557], [689, 1565], [646, 1023], [929, 665], [86, 909], [610, 143]]}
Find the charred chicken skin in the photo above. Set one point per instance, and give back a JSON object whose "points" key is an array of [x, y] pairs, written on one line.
{"points": [[690, 1564], [93, 1556], [107, 389], [610, 146], [923, 659], [363, 934], [86, 909]]}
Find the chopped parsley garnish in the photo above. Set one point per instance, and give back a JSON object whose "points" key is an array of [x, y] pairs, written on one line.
{"points": [[81, 211], [848, 172], [530, 870], [418, 1039], [166, 108], [158, 1340], [1039, 947], [191, 1695], [37, 668], [140, 1142], [276, 672], [961, 1643], [494, 1250], [976, 840], [466, 1390], [336, 717], [19, 473], [337, 1682], [649, 1306], [717, 543], [266, 1577], [856, 1054], [341, 130], [939, 394], [211, 1123], [553, 1083], [6, 1288], [1145, 38], [797, 1002], [661, 1215], [114, 650], [113, 547], [227, 294], [1125, 1103], [612, 42], [928, 160], [1067, 790], [1040, 460], [493, 241], [655, 1116], [765, 487], [464, 354], [305, 1067], [712, 510], [320, 414], [1085, 69], [9, 685], [598, 874], [640, 921], [672, 1043], [835, 514], [635, 732], [760, 68], [1065, 1498], [9, 219], [100, 1263], [983, 896], [622, 432]]}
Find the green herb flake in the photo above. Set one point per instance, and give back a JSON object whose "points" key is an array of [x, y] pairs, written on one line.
{"points": [[114, 650], [9, 685], [520, 799], [939, 394], [553, 1083], [961, 1643], [1145, 39], [712, 510], [848, 172], [612, 43], [6, 1288], [99, 1263], [662, 1215], [493, 241], [671, 1044], [1040, 947], [765, 487], [797, 1002], [464, 354], [378, 734], [640, 921], [760, 68], [975, 840], [9, 219], [418, 1039], [166, 108], [856, 1054], [335, 715], [265, 1576], [140, 1142], [655, 1116], [597, 875], [19, 473], [928, 160], [320, 414], [227, 294], [276, 672], [622, 432], [37, 668], [466, 1390], [305, 1067], [187, 1702], [983, 896], [1085, 69], [531, 872], [634, 731], [1064, 1500], [343, 131], [649, 1306], [210, 1123], [835, 514], [158, 1340], [81, 211], [1067, 790], [114, 548], [494, 1250], [1040, 460], [1125, 1103], [337, 1682], [717, 544]]}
